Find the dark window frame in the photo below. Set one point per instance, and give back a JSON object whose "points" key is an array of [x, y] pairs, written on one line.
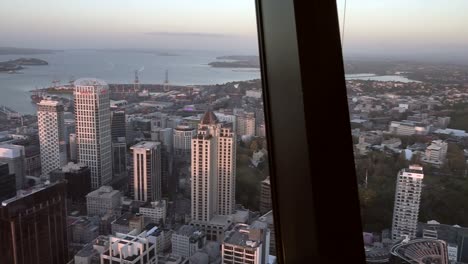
{"points": [[313, 179]]}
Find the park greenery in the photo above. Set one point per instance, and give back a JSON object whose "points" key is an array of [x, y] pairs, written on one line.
{"points": [[444, 193], [248, 177]]}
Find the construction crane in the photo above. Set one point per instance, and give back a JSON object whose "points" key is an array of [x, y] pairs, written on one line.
{"points": [[136, 84], [166, 82]]}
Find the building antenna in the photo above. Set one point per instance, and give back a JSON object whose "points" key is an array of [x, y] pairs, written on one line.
{"points": [[344, 22]]}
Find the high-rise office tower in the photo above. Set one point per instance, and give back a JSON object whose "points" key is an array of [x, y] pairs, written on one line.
{"points": [[92, 116], [146, 171], [407, 198], [119, 156], [165, 136], [183, 135], [33, 226], [15, 157], [265, 196], [73, 142], [51, 136], [118, 125], [213, 169], [78, 177], [7, 182]]}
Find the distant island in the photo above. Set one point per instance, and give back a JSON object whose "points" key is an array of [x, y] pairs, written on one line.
{"points": [[24, 51], [16, 65], [236, 61]]}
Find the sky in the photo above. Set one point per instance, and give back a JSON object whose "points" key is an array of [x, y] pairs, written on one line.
{"points": [[172, 24], [405, 28], [373, 27]]}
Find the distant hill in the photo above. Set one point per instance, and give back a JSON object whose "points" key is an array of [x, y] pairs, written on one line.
{"points": [[15, 65], [24, 51], [236, 61]]}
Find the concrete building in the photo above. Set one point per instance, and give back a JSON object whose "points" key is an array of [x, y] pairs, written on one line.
{"points": [[73, 149], [245, 124], [187, 241], [146, 171], [118, 125], [265, 196], [213, 169], [42, 212], [78, 177], [32, 160], [407, 128], [216, 228], [268, 219], [183, 135], [156, 212], [435, 153], [130, 249], [51, 136], [165, 136], [104, 200], [127, 223], [256, 93], [246, 244], [7, 183], [13, 155], [407, 199], [92, 111], [84, 230], [119, 156]]}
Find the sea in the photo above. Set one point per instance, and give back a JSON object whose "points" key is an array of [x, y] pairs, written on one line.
{"points": [[114, 66], [118, 66]]}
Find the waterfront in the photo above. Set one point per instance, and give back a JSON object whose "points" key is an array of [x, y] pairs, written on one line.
{"points": [[185, 67], [381, 78]]}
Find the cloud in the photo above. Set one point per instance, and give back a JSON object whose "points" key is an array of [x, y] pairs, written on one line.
{"points": [[187, 34]]}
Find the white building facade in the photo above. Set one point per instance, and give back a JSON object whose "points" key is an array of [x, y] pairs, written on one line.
{"points": [[51, 136], [183, 135], [92, 115], [407, 200], [245, 124], [213, 169], [102, 201], [130, 249], [436, 152], [187, 241], [155, 211]]}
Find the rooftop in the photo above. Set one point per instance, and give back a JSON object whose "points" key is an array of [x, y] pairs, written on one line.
{"points": [[422, 251], [126, 218], [103, 192], [246, 236], [26, 192], [89, 82], [209, 118], [146, 145], [49, 102], [70, 167]]}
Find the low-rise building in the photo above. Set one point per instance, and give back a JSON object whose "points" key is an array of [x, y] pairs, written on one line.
{"points": [[246, 244], [130, 249], [104, 200], [187, 241], [156, 212]]}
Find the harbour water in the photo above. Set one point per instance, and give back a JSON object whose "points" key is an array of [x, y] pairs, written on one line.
{"points": [[185, 68]]}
